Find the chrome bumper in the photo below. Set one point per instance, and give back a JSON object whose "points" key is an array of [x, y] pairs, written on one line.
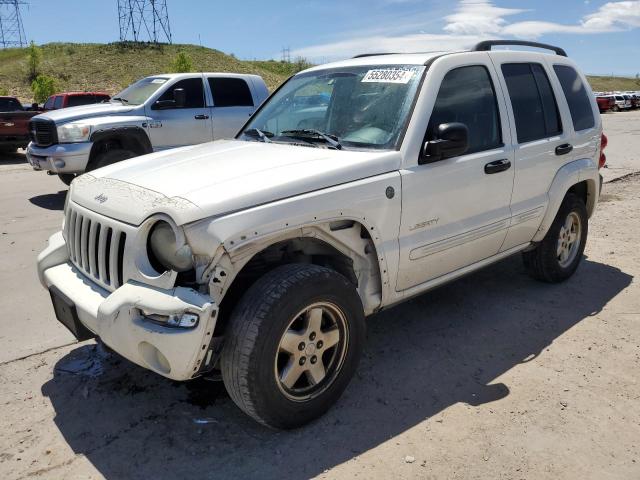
{"points": [[60, 158]]}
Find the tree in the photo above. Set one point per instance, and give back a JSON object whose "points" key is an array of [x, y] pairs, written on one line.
{"points": [[182, 63], [34, 57], [3, 91], [43, 86]]}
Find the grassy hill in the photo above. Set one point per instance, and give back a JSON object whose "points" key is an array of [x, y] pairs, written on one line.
{"points": [[111, 67]]}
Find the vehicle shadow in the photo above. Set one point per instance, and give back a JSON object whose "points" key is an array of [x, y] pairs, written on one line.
{"points": [[13, 158], [50, 201], [444, 347]]}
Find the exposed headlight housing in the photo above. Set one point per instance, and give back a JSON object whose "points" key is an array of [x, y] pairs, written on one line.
{"points": [[74, 133], [164, 251]]}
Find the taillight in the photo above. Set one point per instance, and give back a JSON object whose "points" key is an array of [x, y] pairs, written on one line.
{"points": [[603, 144]]}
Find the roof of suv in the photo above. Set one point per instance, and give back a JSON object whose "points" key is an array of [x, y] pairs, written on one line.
{"points": [[426, 57]]}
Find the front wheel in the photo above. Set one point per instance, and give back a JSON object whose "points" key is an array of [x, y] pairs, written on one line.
{"points": [[293, 344], [110, 157], [560, 252]]}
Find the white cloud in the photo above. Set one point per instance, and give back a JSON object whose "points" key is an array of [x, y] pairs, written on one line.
{"points": [[474, 17], [472, 21]]}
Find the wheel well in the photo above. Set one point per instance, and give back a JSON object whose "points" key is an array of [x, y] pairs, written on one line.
{"points": [[132, 139], [358, 267], [581, 190]]}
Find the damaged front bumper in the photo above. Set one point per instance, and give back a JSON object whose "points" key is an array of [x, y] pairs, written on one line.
{"points": [[130, 319]]}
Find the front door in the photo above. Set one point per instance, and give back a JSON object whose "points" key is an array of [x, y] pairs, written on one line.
{"points": [[455, 211], [188, 124]]}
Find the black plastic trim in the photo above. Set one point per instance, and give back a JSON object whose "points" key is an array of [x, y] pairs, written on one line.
{"points": [[486, 45]]}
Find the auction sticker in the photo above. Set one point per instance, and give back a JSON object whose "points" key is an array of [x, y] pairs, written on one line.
{"points": [[388, 75]]}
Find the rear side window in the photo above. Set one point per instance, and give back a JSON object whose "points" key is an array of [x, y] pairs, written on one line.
{"points": [[534, 105], [194, 91], [230, 92], [9, 105], [57, 103], [467, 96], [577, 98], [77, 100]]}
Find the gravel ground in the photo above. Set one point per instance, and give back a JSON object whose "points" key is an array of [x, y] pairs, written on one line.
{"points": [[492, 376]]}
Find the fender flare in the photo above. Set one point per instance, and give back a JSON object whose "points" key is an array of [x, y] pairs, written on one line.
{"points": [[569, 175], [134, 135]]}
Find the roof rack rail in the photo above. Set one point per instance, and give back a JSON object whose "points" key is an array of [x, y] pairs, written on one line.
{"points": [[487, 44], [362, 55]]}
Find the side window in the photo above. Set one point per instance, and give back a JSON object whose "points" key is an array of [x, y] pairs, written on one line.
{"points": [[467, 96], [57, 103], [193, 89], [534, 105], [48, 105], [577, 98], [230, 92]]}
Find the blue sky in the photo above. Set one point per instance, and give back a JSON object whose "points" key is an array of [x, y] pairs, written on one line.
{"points": [[604, 37]]}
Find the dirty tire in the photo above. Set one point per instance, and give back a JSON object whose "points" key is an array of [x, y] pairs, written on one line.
{"points": [[543, 263], [257, 327], [67, 178], [110, 157]]}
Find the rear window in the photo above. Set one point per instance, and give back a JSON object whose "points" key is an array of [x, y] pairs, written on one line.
{"points": [[57, 103], [577, 98], [534, 105], [77, 100], [230, 92]]}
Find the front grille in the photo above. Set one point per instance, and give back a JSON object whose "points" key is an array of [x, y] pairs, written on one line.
{"points": [[96, 247], [43, 132]]}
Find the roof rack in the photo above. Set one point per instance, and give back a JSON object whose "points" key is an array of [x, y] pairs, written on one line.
{"points": [[487, 44], [363, 55]]}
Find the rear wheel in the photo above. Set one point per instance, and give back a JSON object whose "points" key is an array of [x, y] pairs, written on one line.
{"points": [[110, 157], [293, 345], [560, 252], [616, 108]]}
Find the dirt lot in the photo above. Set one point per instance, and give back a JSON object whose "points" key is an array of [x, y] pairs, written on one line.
{"points": [[493, 376]]}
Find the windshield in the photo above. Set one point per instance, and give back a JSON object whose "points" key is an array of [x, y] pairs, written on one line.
{"points": [[138, 92], [360, 107]]}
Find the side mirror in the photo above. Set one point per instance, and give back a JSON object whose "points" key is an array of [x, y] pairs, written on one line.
{"points": [[452, 139], [179, 100], [180, 97]]}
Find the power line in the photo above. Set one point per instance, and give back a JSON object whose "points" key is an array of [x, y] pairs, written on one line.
{"points": [[144, 21], [11, 28]]}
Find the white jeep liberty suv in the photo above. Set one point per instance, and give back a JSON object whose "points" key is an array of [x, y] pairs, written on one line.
{"points": [[356, 186]]}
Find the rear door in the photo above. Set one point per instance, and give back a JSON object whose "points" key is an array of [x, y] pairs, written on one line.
{"points": [[233, 103], [179, 126], [543, 139], [455, 212]]}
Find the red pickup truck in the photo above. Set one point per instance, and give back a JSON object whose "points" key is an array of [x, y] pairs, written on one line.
{"points": [[74, 99], [14, 124]]}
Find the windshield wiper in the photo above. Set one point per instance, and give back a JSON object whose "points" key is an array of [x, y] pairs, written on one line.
{"points": [[264, 136], [120, 99], [313, 133]]}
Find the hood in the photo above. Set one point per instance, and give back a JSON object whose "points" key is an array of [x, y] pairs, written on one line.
{"points": [[221, 177], [65, 115]]}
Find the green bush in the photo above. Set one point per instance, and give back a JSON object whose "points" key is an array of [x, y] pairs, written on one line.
{"points": [[34, 58], [3, 92], [43, 86], [182, 63]]}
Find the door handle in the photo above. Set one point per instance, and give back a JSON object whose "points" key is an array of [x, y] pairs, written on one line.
{"points": [[564, 149], [497, 166], [201, 117]]}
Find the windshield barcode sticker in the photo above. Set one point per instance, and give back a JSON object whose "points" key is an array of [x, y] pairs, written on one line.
{"points": [[388, 75]]}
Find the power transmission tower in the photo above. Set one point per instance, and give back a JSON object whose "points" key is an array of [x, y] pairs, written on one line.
{"points": [[11, 28], [144, 20], [286, 54]]}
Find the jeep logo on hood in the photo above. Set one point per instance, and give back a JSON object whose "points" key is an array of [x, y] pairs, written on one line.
{"points": [[101, 198]]}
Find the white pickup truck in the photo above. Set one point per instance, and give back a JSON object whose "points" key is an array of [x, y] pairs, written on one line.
{"points": [[356, 186], [155, 113]]}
